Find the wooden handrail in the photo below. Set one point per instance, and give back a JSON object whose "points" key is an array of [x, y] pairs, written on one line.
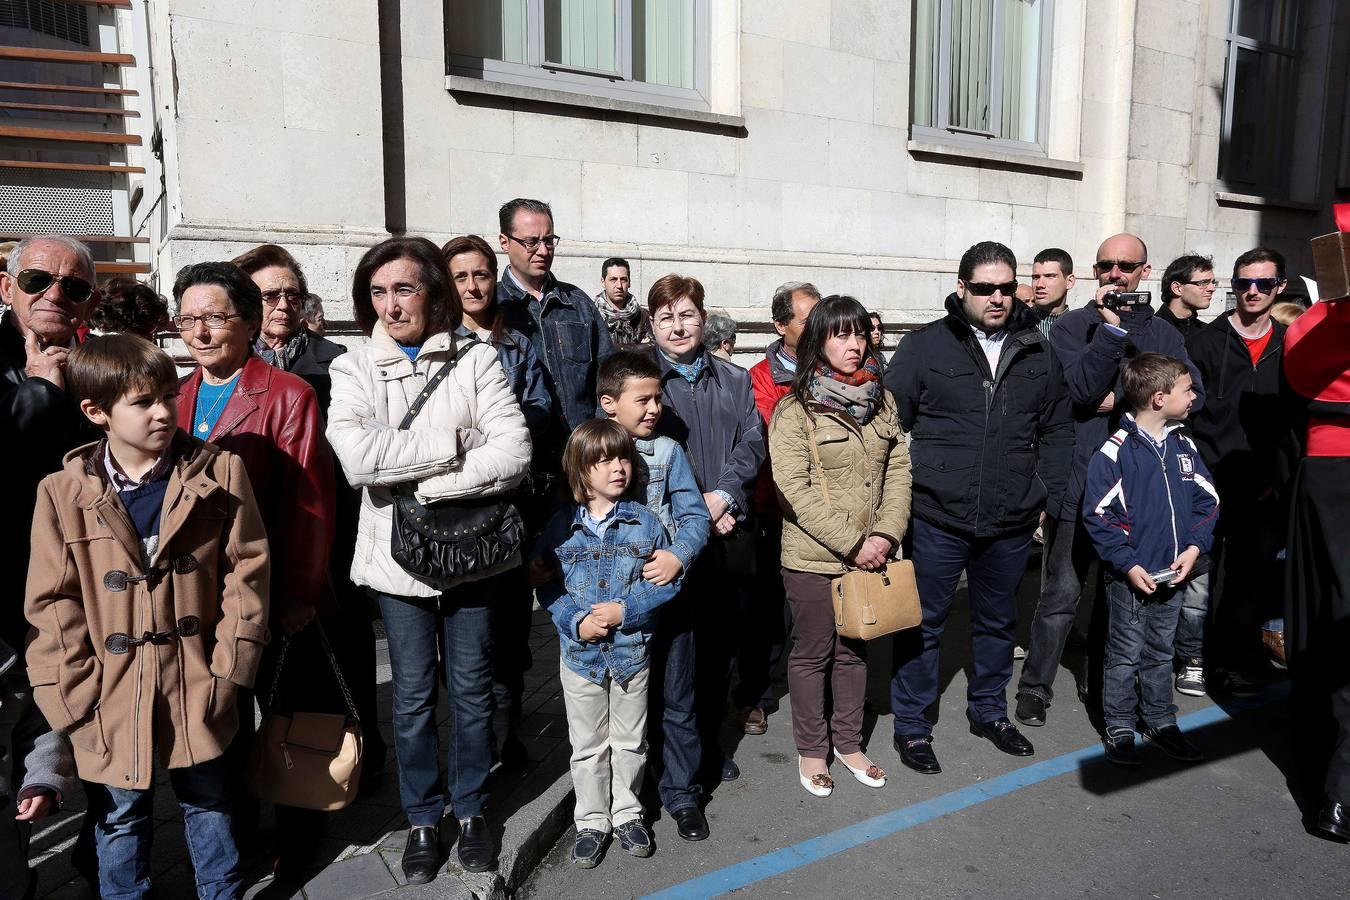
{"points": [[76, 110], [56, 134], [86, 238], [121, 268], [119, 4], [66, 88], [69, 167], [41, 54]]}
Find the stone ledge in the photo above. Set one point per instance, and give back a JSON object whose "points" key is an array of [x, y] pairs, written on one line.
{"points": [[462, 84], [1044, 165], [1256, 201]]}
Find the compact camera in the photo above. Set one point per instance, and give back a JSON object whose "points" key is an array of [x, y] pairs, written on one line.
{"points": [[1163, 576], [1126, 299]]}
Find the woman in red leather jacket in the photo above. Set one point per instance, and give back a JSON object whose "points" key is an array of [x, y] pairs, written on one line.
{"points": [[272, 420]]}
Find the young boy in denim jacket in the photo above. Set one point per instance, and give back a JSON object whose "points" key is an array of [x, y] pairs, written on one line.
{"points": [[1150, 509], [629, 388], [603, 608], [147, 591]]}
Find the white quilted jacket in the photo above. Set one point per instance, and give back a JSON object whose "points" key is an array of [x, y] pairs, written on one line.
{"points": [[469, 440]]}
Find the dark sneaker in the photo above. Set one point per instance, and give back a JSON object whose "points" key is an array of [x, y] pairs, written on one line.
{"points": [[635, 838], [1191, 679], [1175, 744], [1120, 747], [1030, 710], [589, 849]]}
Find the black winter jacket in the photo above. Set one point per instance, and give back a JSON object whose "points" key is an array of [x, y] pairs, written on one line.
{"points": [[1093, 356], [1245, 419], [990, 450], [1185, 327]]}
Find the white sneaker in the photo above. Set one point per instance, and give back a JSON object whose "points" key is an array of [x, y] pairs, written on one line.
{"points": [[1019, 652], [1191, 681]]}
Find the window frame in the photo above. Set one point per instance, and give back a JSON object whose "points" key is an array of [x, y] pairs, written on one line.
{"points": [[942, 131], [536, 72], [1236, 42]]}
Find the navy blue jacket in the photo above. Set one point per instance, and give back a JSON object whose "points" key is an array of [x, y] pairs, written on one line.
{"points": [[569, 337], [1092, 357], [990, 449]]}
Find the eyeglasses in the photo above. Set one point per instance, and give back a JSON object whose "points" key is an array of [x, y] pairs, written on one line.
{"points": [[983, 289], [531, 244], [212, 320], [1263, 285], [271, 298], [402, 292], [686, 320], [35, 281], [1203, 282], [1125, 265]]}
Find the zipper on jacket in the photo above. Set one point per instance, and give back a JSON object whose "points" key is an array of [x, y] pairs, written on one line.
{"points": [[1167, 482]]}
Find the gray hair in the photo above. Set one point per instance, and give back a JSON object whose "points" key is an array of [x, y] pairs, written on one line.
{"points": [[781, 310], [717, 329], [313, 304], [14, 265]]}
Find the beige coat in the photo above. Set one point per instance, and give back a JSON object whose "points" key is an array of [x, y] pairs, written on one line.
{"points": [[838, 482], [178, 696], [469, 440]]}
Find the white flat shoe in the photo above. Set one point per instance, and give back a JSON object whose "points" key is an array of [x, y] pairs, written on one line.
{"points": [[816, 785], [873, 776]]}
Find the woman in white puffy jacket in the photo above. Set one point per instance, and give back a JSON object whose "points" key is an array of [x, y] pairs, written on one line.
{"points": [[469, 440]]}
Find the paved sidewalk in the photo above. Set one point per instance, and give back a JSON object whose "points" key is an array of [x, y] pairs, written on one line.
{"points": [[528, 807]]}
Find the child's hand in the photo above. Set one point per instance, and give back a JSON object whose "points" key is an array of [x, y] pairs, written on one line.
{"points": [[662, 567], [1183, 564], [590, 629], [541, 572], [36, 807], [1138, 577], [608, 614]]}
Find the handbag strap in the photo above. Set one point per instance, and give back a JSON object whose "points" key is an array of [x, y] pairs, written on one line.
{"points": [[332, 660], [434, 381]]}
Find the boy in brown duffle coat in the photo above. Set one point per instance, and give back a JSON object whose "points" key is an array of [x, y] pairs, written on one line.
{"points": [[147, 591]]}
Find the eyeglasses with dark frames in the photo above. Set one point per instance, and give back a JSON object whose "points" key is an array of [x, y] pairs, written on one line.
{"points": [[35, 281], [1125, 265], [1263, 285], [984, 289], [531, 244]]}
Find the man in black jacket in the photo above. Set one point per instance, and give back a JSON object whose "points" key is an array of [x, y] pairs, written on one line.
{"points": [[1093, 344], [984, 400], [1239, 431], [1188, 288]]}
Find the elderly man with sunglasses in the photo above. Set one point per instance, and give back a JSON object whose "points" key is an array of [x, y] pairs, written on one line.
{"points": [[1093, 343]]}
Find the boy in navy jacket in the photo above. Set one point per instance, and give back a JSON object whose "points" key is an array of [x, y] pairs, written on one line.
{"points": [[1150, 509]]}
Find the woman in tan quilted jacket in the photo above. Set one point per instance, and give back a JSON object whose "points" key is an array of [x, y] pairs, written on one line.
{"points": [[842, 471]]}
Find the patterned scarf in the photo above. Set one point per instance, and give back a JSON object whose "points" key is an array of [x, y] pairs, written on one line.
{"points": [[690, 371], [858, 394], [283, 357], [627, 325]]}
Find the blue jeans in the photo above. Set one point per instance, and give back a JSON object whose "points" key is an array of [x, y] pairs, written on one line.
{"points": [[1140, 632], [1190, 642], [124, 827], [454, 629], [673, 739], [994, 568]]}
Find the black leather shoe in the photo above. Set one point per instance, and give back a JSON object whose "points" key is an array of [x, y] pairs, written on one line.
{"points": [[1333, 818], [916, 751], [1120, 747], [1004, 735], [475, 848], [691, 823], [1030, 710], [730, 771], [422, 854], [589, 848], [1175, 744]]}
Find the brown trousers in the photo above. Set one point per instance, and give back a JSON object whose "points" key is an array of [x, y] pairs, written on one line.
{"points": [[819, 654]]}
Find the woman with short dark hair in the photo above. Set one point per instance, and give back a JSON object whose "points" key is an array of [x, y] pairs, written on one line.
{"points": [[468, 440]]}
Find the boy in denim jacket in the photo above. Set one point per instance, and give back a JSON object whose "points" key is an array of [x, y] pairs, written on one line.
{"points": [[603, 608], [1150, 509]]}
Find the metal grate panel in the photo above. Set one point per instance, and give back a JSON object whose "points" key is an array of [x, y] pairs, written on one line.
{"points": [[66, 21], [55, 210]]}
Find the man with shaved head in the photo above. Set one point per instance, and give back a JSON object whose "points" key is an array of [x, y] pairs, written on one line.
{"points": [[1093, 344]]}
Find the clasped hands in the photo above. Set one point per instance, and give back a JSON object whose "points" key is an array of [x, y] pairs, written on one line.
{"points": [[661, 568], [871, 556]]}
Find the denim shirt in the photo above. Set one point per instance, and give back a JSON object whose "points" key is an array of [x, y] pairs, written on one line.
{"points": [[673, 496], [525, 374], [597, 570], [568, 336]]}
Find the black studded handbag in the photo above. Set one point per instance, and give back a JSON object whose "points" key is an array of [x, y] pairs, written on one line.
{"points": [[451, 538]]}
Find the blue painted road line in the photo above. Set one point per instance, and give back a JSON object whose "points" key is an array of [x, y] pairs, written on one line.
{"points": [[815, 849]]}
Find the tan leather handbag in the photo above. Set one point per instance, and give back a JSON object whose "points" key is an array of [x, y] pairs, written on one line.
{"points": [[870, 605], [306, 759]]}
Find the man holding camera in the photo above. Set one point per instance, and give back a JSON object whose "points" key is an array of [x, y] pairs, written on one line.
{"points": [[1093, 344]]}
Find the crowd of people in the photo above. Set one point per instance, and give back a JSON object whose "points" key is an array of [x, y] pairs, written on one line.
{"points": [[503, 438]]}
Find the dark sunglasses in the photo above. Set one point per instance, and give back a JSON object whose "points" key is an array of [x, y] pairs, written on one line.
{"points": [[1264, 285], [35, 281], [983, 289], [1125, 265]]}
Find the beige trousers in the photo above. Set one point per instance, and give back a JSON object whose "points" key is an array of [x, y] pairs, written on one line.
{"points": [[607, 725]]}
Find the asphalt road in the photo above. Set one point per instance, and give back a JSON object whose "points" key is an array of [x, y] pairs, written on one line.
{"points": [[1061, 824]]}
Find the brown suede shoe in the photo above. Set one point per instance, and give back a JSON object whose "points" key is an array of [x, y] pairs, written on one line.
{"points": [[756, 721]]}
